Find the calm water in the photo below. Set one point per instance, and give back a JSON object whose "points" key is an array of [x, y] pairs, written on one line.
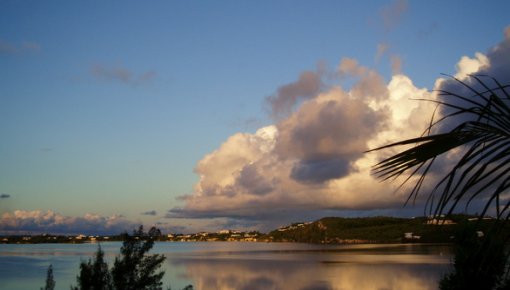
{"points": [[245, 265]]}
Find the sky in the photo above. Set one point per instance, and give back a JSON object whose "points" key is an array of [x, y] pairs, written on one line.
{"points": [[204, 115]]}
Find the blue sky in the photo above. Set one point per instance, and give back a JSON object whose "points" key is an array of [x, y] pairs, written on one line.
{"points": [[108, 108]]}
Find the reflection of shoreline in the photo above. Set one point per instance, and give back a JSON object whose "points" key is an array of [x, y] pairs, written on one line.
{"points": [[251, 265], [219, 248], [375, 252], [294, 273], [67, 240]]}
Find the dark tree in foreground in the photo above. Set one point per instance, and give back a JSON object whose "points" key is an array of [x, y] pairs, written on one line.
{"points": [[133, 269], [94, 275], [479, 263], [482, 173], [50, 282]]}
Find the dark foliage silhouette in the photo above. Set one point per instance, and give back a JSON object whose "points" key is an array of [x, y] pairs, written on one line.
{"points": [[50, 282], [94, 275], [479, 262], [482, 130], [133, 269], [477, 124]]}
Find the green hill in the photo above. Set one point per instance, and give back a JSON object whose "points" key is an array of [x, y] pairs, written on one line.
{"points": [[373, 230]]}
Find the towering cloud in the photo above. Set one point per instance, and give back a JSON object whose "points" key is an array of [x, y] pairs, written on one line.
{"points": [[313, 160], [495, 64], [327, 134]]}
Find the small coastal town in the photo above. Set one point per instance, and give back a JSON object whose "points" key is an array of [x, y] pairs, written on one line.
{"points": [[333, 230], [220, 236], [224, 235]]}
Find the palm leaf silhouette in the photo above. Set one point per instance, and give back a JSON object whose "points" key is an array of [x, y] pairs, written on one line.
{"points": [[483, 166]]}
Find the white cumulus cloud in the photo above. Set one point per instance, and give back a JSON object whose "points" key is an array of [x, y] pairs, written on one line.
{"points": [[314, 160], [39, 221]]}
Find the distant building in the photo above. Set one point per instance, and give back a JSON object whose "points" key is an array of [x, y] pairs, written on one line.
{"points": [[484, 218], [411, 236], [440, 221]]}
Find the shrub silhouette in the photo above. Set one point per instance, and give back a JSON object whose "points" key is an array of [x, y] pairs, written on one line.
{"points": [[94, 275], [479, 262], [50, 282], [133, 269]]}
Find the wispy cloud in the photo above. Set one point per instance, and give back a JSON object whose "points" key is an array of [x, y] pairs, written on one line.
{"points": [[396, 64], [7, 47], [287, 96], [392, 14], [150, 212], [382, 49], [428, 31], [38, 221], [121, 74], [390, 17]]}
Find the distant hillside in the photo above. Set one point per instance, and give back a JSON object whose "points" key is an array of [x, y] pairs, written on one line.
{"points": [[373, 230], [330, 230]]}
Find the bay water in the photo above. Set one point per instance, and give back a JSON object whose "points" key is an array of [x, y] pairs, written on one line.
{"points": [[243, 265]]}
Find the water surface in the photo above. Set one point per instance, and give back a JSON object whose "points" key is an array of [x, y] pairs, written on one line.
{"points": [[236, 265]]}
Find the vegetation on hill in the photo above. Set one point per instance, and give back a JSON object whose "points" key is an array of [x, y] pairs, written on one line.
{"points": [[375, 230], [327, 230]]}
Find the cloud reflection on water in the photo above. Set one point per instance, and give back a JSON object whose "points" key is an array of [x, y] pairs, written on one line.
{"points": [[253, 266], [224, 273]]}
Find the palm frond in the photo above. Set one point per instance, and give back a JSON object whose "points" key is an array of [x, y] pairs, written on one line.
{"points": [[483, 134]]}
